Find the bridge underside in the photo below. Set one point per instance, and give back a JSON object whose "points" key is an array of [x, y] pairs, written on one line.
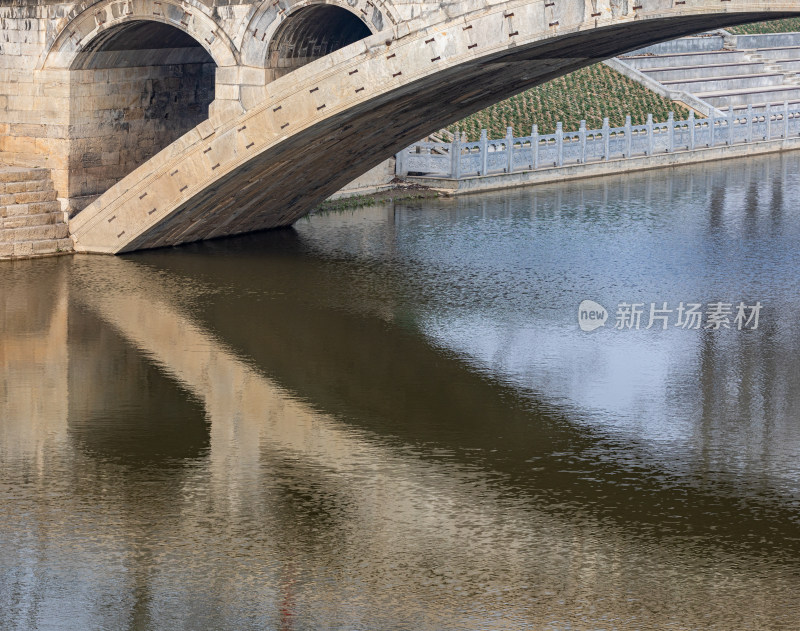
{"points": [[287, 174]]}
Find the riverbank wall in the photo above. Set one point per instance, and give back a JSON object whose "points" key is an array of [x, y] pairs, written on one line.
{"points": [[464, 167], [478, 184]]}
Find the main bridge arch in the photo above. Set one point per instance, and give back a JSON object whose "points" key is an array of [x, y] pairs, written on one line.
{"points": [[327, 122]]}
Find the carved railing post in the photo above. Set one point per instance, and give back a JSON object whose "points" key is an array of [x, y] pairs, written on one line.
{"points": [[650, 139], [731, 119], [509, 150], [606, 140], [560, 144], [400, 164], [785, 120], [749, 124], [671, 132], [535, 146], [691, 130], [455, 156], [628, 136], [484, 148], [768, 117], [712, 125], [582, 135]]}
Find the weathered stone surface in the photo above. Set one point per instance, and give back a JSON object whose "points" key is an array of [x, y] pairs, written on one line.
{"points": [[26, 186], [34, 196], [24, 221], [12, 175], [36, 233], [31, 221]]}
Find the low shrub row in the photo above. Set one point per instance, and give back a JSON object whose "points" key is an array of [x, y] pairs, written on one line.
{"points": [[789, 25], [588, 94]]}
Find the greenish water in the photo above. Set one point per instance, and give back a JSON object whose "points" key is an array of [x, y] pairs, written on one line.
{"points": [[389, 418]]}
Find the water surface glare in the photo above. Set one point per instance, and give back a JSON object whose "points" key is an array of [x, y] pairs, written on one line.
{"points": [[390, 419]]}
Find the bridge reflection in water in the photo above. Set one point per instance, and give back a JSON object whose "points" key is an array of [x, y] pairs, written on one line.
{"points": [[258, 435]]}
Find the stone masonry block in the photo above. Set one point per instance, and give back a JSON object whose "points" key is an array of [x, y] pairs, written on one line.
{"points": [[22, 248], [43, 207], [17, 174], [36, 233], [35, 196], [26, 186], [25, 221]]}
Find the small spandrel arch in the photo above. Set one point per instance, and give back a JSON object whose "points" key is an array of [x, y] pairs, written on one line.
{"points": [[312, 32]]}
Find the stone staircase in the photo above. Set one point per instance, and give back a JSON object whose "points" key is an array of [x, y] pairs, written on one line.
{"points": [[31, 220], [725, 71]]}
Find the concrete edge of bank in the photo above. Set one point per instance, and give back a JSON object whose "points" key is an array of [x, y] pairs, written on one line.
{"points": [[477, 184]]}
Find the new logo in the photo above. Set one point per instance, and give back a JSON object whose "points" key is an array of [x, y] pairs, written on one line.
{"points": [[591, 315]]}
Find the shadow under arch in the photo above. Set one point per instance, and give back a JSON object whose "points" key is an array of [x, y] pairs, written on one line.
{"points": [[87, 25], [257, 33], [311, 32], [140, 43], [134, 89]]}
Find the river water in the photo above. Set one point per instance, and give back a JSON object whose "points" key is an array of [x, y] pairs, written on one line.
{"points": [[389, 418]]}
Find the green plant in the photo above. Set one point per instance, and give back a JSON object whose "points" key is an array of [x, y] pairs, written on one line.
{"points": [[789, 25], [588, 94]]}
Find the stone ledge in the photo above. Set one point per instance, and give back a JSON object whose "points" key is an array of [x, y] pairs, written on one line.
{"points": [[26, 186], [22, 174], [35, 196], [35, 249], [26, 221], [34, 233], [34, 208]]}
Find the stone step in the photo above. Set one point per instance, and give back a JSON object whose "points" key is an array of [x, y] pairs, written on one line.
{"points": [[22, 174], [39, 247], [10, 199], [34, 208], [27, 186], [679, 60], [34, 233], [736, 82], [744, 97], [783, 52], [702, 72], [761, 107], [24, 221], [31, 220], [789, 65], [35, 196], [694, 44]]}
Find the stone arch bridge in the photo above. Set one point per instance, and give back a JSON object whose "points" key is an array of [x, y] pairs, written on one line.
{"points": [[169, 121]]}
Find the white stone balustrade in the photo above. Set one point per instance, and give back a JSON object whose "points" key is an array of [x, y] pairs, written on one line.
{"points": [[461, 159]]}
